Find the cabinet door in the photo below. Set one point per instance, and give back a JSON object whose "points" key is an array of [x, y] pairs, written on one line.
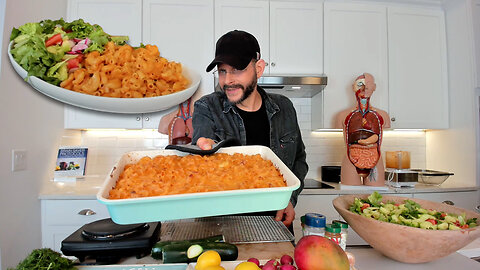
{"points": [[183, 32], [355, 43], [417, 68], [249, 16], [77, 118], [117, 17], [464, 199], [296, 38]]}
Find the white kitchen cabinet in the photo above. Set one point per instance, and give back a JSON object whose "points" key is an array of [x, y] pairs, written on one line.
{"points": [[117, 17], [60, 218], [289, 33], [182, 30], [467, 199], [404, 48], [123, 17], [418, 86], [78, 118], [355, 43]]}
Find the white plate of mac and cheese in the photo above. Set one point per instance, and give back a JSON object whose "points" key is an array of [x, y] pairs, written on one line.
{"points": [[159, 185], [131, 102]]}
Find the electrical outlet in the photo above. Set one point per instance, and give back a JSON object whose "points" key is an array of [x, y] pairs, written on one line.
{"points": [[19, 160]]}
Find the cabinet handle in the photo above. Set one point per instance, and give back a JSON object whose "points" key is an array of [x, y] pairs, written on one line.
{"points": [[266, 64], [138, 118], [87, 212], [393, 119], [147, 119], [448, 202], [477, 208], [273, 64]]}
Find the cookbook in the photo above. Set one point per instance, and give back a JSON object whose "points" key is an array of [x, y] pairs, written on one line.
{"points": [[71, 162]]}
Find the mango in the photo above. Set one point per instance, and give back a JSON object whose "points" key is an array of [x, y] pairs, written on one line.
{"points": [[314, 252]]}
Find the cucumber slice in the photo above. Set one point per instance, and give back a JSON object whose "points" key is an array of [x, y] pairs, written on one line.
{"points": [[194, 251]]}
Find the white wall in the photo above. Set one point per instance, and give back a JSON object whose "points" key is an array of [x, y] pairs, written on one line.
{"points": [[30, 121], [455, 149]]}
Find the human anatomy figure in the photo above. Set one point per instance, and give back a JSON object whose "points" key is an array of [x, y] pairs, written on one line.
{"points": [[178, 124], [363, 132]]}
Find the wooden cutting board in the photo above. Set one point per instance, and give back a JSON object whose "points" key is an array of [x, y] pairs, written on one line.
{"points": [[264, 251]]}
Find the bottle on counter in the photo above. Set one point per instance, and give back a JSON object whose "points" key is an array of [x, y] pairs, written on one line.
{"points": [[332, 232], [314, 224], [343, 232]]}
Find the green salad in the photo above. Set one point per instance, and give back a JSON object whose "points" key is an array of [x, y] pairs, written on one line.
{"points": [[51, 48], [409, 213]]}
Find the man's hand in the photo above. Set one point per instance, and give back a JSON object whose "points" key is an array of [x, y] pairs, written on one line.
{"points": [[205, 143], [286, 215]]}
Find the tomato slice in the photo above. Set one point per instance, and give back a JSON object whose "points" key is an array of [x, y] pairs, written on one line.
{"points": [[54, 40], [74, 63], [431, 220], [364, 206]]}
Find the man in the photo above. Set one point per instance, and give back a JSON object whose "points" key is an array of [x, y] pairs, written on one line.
{"points": [[243, 110]]}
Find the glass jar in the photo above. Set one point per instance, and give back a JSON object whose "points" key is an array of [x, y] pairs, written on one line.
{"points": [[314, 224], [332, 232], [343, 232]]}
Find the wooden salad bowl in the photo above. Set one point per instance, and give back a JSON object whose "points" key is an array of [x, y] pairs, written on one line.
{"points": [[403, 243]]}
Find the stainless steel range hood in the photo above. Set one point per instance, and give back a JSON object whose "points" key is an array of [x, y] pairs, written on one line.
{"points": [[294, 86]]}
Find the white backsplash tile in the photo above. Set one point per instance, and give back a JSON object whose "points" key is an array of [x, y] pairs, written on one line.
{"points": [[323, 148]]}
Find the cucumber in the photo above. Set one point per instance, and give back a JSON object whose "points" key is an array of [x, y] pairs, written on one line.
{"points": [[177, 253], [158, 247]]}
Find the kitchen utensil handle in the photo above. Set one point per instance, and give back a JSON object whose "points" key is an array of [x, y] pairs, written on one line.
{"points": [[87, 212], [448, 202]]}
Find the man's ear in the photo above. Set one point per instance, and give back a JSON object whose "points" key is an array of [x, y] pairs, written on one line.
{"points": [[260, 67]]}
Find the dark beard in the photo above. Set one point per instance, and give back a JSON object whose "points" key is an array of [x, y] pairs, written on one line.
{"points": [[246, 91]]}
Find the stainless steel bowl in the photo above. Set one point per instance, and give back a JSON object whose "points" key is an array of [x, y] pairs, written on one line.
{"points": [[431, 177]]}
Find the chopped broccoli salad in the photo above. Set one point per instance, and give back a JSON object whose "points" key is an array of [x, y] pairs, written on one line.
{"points": [[410, 213]]}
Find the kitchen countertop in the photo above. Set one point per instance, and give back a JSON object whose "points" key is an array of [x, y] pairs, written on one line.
{"points": [[87, 188], [365, 258]]}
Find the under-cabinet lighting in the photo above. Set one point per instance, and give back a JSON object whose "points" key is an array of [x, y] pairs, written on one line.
{"points": [[123, 132]]}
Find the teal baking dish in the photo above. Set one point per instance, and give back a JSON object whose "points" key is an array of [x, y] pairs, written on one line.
{"points": [[193, 205]]}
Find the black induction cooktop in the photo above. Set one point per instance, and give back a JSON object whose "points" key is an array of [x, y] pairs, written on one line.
{"points": [[107, 242]]}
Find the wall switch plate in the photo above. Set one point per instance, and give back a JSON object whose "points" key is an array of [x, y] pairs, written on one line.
{"points": [[19, 160]]}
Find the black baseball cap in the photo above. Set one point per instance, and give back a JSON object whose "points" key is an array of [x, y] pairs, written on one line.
{"points": [[236, 48]]}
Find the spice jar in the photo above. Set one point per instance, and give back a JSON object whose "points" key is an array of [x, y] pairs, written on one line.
{"points": [[314, 224], [343, 232], [332, 232]]}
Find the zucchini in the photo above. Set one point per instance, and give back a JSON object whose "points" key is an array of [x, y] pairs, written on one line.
{"points": [[158, 247], [177, 253]]}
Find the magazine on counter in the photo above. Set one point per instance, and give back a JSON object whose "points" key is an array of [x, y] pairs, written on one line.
{"points": [[71, 162]]}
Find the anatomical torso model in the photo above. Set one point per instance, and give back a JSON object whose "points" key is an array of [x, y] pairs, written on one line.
{"points": [[363, 132], [178, 125]]}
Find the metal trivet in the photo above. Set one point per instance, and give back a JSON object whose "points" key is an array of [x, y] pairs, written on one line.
{"points": [[235, 229]]}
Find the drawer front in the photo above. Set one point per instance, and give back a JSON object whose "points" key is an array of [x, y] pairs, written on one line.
{"points": [[464, 199], [72, 212]]}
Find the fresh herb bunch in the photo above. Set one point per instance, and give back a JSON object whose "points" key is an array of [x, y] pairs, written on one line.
{"points": [[45, 259]]}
